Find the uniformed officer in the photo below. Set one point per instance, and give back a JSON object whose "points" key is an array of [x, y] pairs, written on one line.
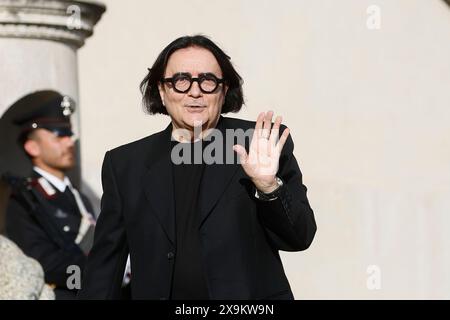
{"points": [[47, 217]]}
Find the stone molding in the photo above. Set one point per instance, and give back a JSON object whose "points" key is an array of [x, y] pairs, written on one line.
{"points": [[69, 22]]}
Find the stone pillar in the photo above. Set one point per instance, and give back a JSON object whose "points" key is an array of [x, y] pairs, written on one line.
{"points": [[39, 40]]}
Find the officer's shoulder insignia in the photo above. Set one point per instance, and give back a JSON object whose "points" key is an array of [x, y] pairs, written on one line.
{"points": [[44, 187]]}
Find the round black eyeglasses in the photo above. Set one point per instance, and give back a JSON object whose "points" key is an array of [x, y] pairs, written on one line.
{"points": [[182, 82]]}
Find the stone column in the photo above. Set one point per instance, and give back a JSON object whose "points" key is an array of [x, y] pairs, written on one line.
{"points": [[39, 40]]}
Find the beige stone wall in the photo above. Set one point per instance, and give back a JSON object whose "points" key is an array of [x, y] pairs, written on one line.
{"points": [[368, 109], [31, 64]]}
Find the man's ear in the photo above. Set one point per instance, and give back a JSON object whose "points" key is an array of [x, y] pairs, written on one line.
{"points": [[161, 92], [32, 148], [225, 90]]}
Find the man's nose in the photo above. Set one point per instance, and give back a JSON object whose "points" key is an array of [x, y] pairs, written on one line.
{"points": [[195, 91], [68, 141]]}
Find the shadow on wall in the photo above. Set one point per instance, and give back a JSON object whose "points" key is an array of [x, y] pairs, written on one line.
{"points": [[13, 160]]}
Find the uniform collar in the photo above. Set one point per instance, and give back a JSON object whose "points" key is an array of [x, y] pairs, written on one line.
{"points": [[55, 181]]}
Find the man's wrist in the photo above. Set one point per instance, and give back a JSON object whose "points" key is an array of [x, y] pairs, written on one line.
{"points": [[272, 195], [266, 186]]}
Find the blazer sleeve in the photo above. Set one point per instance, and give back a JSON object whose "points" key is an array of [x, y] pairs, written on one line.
{"points": [[289, 220], [102, 277]]}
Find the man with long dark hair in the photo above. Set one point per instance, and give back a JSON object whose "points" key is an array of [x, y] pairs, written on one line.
{"points": [[198, 222]]}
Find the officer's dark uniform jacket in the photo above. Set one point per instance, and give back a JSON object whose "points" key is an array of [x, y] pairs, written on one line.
{"points": [[44, 225]]}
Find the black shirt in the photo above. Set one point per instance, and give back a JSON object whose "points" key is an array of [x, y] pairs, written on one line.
{"points": [[189, 276]]}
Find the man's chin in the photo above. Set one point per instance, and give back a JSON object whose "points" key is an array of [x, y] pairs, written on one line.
{"points": [[67, 166], [195, 122]]}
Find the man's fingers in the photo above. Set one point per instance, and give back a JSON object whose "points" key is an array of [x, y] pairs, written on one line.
{"points": [[275, 130], [259, 124], [267, 124], [240, 150], [283, 139]]}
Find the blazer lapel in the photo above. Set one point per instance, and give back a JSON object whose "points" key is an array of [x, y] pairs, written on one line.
{"points": [[216, 178], [158, 182]]}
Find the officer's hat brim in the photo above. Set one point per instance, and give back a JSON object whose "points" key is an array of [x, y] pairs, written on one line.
{"points": [[47, 110]]}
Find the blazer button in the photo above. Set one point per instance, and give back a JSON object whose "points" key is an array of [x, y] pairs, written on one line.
{"points": [[66, 228], [170, 255]]}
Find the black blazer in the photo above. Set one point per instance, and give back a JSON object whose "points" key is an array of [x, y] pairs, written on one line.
{"points": [[240, 235], [45, 228]]}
